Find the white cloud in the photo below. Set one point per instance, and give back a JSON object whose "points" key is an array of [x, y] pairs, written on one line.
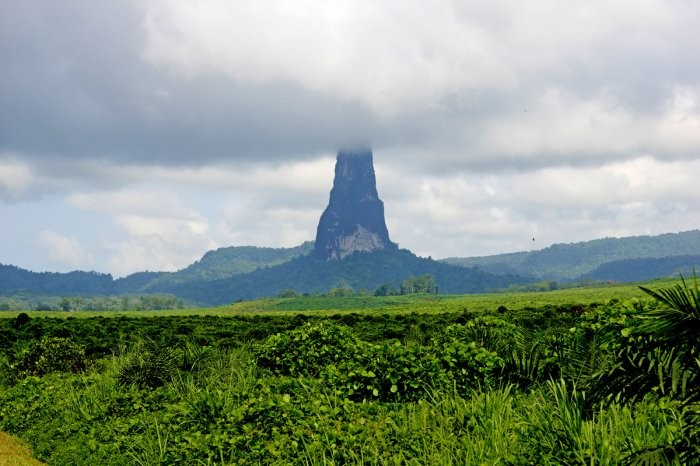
{"points": [[16, 178], [214, 123], [476, 215], [157, 231], [64, 251], [398, 55]]}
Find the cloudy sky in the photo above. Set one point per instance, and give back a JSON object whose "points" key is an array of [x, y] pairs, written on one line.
{"points": [[138, 134]]}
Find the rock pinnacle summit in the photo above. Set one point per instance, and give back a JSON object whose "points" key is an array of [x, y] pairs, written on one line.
{"points": [[354, 219]]}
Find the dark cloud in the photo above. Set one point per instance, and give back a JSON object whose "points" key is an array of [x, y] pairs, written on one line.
{"points": [[486, 120], [83, 81]]}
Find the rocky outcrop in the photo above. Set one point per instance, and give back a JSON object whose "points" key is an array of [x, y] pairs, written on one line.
{"points": [[354, 219]]}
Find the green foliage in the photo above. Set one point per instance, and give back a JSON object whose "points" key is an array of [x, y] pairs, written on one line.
{"points": [[678, 320], [420, 284], [467, 362], [48, 303], [231, 261], [570, 261], [8, 374], [660, 359], [50, 354], [306, 350], [288, 293], [148, 365], [20, 321], [387, 372], [477, 386], [387, 290], [340, 292]]}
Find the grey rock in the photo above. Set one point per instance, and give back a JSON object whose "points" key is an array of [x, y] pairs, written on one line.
{"points": [[354, 219]]}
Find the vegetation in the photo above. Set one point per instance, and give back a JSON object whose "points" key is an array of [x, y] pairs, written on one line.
{"points": [[26, 302], [612, 382], [223, 263], [206, 284], [229, 262], [602, 259], [242, 273]]}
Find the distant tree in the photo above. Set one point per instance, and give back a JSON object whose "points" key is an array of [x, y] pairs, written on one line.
{"points": [[386, 290], [21, 320], [340, 292], [420, 284], [64, 304], [288, 293]]}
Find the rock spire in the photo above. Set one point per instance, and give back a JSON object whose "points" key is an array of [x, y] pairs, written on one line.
{"points": [[354, 218]]}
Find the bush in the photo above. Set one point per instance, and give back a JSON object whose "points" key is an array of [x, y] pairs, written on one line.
{"points": [[148, 365], [50, 354], [307, 349], [8, 375], [20, 321], [469, 365], [387, 373]]}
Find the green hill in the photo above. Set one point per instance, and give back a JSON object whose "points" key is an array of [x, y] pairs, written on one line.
{"points": [[577, 260], [231, 274], [228, 262], [367, 271]]}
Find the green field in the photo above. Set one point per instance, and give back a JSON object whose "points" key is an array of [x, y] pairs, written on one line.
{"points": [[390, 304], [597, 376]]}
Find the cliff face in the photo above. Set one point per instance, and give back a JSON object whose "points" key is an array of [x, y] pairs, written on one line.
{"points": [[354, 218]]}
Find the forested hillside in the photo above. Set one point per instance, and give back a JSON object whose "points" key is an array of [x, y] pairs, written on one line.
{"points": [[303, 274], [230, 274], [219, 264], [579, 260], [228, 262], [361, 271]]}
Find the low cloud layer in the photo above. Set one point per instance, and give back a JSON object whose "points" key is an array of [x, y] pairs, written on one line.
{"points": [[137, 135]]}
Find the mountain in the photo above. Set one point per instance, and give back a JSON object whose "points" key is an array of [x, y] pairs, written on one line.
{"points": [[353, 249], [637, 270], [361, 270], [354, 219], [15, 280], [214, 265], [575, 261], [228, 262]]}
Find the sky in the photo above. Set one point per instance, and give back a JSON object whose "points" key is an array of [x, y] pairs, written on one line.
{"points": [[139, 134]]}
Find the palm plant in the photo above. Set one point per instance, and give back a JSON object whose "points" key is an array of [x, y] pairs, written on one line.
{"points": [[662, 358]]}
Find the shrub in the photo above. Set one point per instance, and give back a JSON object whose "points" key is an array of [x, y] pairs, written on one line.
{"points": [[50, 354], [468, 364], [21, 320], [307, 349], [148, 365], [388, 373]]}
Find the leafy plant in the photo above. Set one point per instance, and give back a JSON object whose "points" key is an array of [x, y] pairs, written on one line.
{"points": [[148, 365], [307, 350], [50, 354], [388, 372], [661, 358], [467, 363]]}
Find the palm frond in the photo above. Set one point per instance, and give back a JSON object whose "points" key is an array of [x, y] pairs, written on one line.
{"points": [[679, 315]]}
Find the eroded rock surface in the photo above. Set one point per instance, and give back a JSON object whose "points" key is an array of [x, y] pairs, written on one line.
{"points": [[354, 219]]}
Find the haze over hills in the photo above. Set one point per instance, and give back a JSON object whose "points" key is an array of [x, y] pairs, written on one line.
{"points": [[352, 249]]}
